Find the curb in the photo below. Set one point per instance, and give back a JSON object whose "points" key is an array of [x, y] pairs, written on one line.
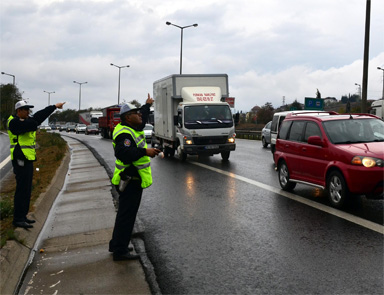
{"points": [[15, 256]]}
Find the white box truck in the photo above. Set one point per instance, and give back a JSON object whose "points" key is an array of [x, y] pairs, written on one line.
{"points": [[192, 117], [377, 108], [90, 117]]}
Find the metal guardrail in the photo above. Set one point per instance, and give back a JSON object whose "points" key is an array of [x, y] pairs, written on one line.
{"points": [[248, 134]]}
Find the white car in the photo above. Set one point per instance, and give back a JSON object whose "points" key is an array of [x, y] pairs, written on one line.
{"points": [[148, 132], [80, 128], [45, 127]]}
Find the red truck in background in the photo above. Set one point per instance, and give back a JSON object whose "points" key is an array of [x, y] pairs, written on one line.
{"points": [[109, 120]]}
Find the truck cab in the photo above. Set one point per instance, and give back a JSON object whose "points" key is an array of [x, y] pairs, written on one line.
{"points": [[192, 117], [202, 127]]}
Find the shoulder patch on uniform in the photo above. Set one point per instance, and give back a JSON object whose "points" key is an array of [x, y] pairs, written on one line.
{"points": [[127, 142]]}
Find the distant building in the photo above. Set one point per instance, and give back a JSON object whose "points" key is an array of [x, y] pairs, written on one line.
{"points": [[330, 100]]}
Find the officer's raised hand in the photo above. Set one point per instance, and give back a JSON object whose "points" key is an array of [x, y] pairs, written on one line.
{"points": [[149, 99], [59, 105]]}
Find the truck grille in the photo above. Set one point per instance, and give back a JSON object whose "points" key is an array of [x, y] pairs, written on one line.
{"points": [[210, 140]]}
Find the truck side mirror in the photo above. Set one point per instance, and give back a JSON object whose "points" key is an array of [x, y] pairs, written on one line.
{"points": [[176, 121], [237, 118]]}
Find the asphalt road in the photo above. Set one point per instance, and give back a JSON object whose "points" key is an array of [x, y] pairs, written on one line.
{"points": [[227, 228]]}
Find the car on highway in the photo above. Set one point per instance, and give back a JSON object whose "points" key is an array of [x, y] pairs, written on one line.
{"points": [[341, 153], [148, 132], [45, 127], [277, 119], [266, 134], [80, 128], [91, 129], [70, 127]]}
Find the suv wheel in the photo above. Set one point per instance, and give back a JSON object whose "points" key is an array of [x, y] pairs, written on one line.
{"points": [[337, 189], [264, 142], [284, 177]]}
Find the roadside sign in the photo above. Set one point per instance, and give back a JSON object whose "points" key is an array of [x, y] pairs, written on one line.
{"points": [[316, 104], [230, 101]]}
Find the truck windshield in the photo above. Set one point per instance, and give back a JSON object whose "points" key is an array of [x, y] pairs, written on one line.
{"points": [[207, 116]]}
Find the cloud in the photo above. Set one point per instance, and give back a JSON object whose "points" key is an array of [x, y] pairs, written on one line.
{"points": [[269, 49]]}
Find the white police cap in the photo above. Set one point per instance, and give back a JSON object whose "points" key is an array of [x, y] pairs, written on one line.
{"points": [[127, 107], [22, 104]]}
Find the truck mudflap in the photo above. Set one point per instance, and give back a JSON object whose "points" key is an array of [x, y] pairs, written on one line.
{"points": [[209, 148]]}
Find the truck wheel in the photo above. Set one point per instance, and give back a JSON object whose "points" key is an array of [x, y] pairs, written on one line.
{"points": [[182, 155], [225, 155]]}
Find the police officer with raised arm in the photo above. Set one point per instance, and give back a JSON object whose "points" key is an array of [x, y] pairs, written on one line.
{"points": [[132, 174], [22, 135]]}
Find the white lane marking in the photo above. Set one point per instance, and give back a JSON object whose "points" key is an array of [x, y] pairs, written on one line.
{"points": [[5, 162], [349, 217]]}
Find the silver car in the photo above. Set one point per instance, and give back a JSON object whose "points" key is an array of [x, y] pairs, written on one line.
{"points": [[80, 128], [266, 134], [148, 132]]}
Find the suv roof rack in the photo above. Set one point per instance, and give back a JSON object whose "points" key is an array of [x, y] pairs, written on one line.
{"points": [[312, 113]]}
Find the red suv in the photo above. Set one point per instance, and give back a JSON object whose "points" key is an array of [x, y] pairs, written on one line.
{"points": [[342, 153]]}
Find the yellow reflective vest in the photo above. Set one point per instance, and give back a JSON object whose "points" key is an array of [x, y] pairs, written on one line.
{"points": [[143, 165], [27, 142]]}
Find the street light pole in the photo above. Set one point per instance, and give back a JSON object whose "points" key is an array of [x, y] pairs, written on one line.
{"points": [[118, 87], [383, 81], [49, 96], [11, 76], [366, 57], [80, 83], [181, 45], [359, 89], [12, 100]]}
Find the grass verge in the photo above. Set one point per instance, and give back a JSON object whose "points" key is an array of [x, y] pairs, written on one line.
{"points": [[50, 152]]}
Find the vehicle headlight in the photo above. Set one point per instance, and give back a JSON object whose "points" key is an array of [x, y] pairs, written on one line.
{"points": [[232, 138], [368, 162], [187, 140]]}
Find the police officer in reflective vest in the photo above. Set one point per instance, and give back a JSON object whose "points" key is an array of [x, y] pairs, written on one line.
{"points": [[22, 135], [132, 174]]}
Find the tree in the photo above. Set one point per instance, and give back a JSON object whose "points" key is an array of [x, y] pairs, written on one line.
{"points": [[295, 105], [318, 94], [65, 116], [9, 94], [265, 113], [135, 103]]}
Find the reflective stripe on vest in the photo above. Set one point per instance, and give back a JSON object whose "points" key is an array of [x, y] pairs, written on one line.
{"points": [[142, 165], [138, 140]]}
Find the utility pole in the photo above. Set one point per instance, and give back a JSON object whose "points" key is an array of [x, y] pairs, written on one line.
{"points": [[366, 58]]}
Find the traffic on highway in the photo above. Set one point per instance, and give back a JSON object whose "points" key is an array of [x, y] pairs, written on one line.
{"points": [[214, 226]]}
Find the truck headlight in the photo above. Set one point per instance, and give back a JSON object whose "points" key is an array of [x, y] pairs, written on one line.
{"points": [[187, 141], [232, 138], [368, 162]]}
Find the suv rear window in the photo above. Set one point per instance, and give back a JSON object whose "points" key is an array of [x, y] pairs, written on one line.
{"points": [[284, 129], [296, 132]]}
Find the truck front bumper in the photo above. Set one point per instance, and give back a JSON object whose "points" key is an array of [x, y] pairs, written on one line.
{"points": [[209, 148]]}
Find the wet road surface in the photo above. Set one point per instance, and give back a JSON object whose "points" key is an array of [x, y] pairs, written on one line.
{"points": [[210, 232]]}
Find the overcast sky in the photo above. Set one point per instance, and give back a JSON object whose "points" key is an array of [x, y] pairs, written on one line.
{"points": [[269, 49]]}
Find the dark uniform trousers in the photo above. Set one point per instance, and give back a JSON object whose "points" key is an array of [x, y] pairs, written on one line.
{"points": [[129, 203], [24, 175]]}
